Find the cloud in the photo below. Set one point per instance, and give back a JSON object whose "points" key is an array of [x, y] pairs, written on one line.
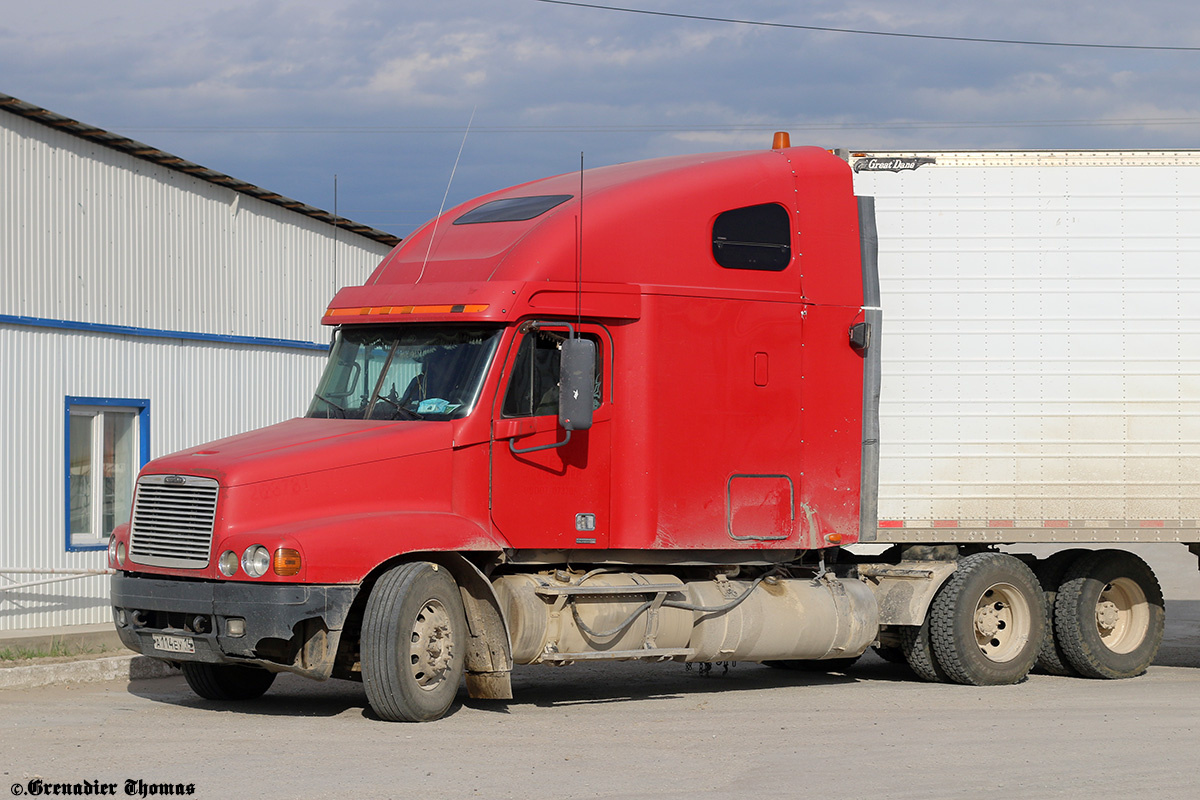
{"points": [[286, 94]]}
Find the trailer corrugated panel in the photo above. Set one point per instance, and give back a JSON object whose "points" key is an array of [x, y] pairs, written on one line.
{"points": [[1041, 346]]}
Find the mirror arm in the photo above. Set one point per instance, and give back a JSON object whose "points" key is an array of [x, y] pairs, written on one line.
{"points": [[522, 450]]}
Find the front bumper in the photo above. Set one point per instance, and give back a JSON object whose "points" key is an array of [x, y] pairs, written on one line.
{"points": [[287, 627]]}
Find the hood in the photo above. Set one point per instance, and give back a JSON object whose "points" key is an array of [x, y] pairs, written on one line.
{"points": [[303, 446]]}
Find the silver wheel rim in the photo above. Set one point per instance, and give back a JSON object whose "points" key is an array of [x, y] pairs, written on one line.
{"points": [[1002, 621], [432, 646], [1122, 615]]}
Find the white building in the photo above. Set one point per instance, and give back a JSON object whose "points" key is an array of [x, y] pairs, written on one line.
{"points": [[147, 304]]}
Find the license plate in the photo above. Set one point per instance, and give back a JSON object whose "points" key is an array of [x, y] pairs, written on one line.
{"points": [[173, 644]]}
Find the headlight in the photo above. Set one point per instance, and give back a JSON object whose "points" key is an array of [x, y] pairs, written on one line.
{"points": [[121, 553], [228, 563], [256, 561], [112, 552]]}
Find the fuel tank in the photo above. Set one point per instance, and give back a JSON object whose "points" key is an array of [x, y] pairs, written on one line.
{"points": [[554, 617]]}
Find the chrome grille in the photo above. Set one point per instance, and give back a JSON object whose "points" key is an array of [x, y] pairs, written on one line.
{"points": [[173, 519]]}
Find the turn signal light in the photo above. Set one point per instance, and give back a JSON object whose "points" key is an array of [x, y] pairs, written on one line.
{"points": [[286, 562], [833, 538]]}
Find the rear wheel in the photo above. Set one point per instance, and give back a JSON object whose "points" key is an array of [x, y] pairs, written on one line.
{"points": [[918, 652], [225, 681], [1050, 573], [1108, 615], [413, 643], [988, 622]]}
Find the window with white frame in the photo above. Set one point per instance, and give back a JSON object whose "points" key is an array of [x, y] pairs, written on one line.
{"points": [[107, 443]]}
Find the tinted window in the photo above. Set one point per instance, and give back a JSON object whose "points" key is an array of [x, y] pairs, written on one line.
{"points": [[533, 387], [512, 209], [754, 237]]}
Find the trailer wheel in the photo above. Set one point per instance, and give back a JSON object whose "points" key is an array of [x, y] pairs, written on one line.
{"points": [[1108, 615], [918, 652], [988, 622], [226, 682], [1050, 572], [413, 643]]}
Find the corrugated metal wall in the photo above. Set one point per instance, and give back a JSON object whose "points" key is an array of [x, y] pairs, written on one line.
{"points": [[92, 235]]}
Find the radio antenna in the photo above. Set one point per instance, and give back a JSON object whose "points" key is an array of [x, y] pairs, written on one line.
{"points": [[335, 230], [450, 182], [579, 250]]}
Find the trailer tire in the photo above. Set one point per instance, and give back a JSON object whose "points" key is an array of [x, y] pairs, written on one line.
{"points": [[988, 622], [413, 643], [1109, 616], [226, 682], [1050, 572]]}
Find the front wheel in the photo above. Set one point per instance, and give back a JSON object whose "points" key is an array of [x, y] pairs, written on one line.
{"points": [[1108, 615], [226, 682], [988, 622], [413, 643]]}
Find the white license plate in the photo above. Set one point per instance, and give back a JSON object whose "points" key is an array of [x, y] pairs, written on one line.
{"points": [[173, 644]]}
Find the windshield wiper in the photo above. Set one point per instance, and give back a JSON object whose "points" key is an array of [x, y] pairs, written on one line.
{"points": [[399, 408], [332, 404]]}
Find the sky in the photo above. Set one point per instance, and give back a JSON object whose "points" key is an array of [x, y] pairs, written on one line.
{"points": [[412, 104]]}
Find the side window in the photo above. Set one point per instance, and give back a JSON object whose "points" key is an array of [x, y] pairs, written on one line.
{"points": [[107, 442], [533, 386], [754, 237]]}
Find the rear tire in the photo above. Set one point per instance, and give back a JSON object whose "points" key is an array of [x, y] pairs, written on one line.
{"points": [[226, 682], [413, 643], [918, 652], [1050, 573], [1109, 616], [988, 622]]}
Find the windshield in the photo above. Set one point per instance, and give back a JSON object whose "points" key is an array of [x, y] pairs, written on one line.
{"points": [[404, 372]]}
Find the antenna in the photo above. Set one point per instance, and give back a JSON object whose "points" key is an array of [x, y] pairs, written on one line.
{"points": [[579, 250], [335, 230], [438, 218]]}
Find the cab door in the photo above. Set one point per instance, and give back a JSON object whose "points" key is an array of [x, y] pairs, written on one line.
{"points": [[546, 494]]}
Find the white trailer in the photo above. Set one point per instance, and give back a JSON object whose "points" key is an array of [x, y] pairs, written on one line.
{"points": [[1040, 384]]}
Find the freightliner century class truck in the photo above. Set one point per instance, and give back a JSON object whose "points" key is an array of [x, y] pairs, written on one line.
{"points": [[635, 413]]}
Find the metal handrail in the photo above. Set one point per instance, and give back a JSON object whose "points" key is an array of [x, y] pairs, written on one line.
{"points": [[63, 575]]}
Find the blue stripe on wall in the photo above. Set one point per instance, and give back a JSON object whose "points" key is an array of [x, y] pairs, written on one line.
{"points": [[155, 333]]}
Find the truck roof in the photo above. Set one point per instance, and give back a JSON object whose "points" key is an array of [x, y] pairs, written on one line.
{"points": [[646, 224]]}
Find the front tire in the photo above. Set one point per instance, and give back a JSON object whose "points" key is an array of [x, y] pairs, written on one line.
{"points": [[988, 622], [226, 682], [1109, 615], [413, 643]]}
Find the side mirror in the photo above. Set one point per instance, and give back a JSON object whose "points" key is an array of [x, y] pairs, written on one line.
{"points": [[577, 383]]}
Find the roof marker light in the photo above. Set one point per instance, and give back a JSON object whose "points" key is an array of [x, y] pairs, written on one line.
{"points": [[377, 310]]}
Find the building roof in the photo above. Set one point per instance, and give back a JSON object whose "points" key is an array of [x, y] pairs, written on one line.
{"points": [[145, 152]]}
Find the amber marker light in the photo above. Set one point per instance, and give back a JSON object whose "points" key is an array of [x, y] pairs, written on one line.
{"points": [[782, 139], [834, 538], [286, 562]]}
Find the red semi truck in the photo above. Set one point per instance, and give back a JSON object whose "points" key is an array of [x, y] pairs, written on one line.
{"points": [[629, 413]]}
